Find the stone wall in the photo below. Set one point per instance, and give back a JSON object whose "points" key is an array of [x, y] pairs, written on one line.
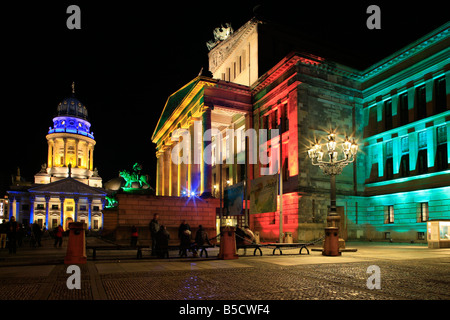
{"points": [[138, 210]]}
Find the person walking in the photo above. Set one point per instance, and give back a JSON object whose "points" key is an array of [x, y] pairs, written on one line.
{"points": [[58, 236], [162, 244], [201, 238], [154, 229], [36, 233], [13, 228], [134, 236], [181, 229], [3, 232], [185, 242]]}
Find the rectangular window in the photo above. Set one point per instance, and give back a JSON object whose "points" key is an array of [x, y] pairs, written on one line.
{"points": [[404, 166], [422, 161], [441, 134], [440, 95], [240, 64], [55, 207], [40, 206], [83, 208], [389, 214], [423, 211], [388, 114], [420, 235], [389, 164], [403, 107], [96, 208], [405, 144], [441, 161], [421, 103], [95, 224], [240, 139], [422, 140]]}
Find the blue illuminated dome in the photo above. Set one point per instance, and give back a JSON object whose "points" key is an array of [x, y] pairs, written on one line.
{"points": [[72, 117], [72, 107]]}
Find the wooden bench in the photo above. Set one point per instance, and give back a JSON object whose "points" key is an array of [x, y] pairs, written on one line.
{"points": [[278, 246], [117, 247], [257, 247]]}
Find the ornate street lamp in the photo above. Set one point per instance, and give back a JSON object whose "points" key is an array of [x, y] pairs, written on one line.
{"points": [[332, 168]]}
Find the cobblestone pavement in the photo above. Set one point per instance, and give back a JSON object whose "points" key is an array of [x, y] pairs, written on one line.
{"points": [[406, 272]]}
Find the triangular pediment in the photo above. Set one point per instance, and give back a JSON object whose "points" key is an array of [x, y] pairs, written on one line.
{"points": [[67, 186]]}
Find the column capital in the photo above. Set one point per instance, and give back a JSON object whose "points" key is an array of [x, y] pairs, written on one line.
{"points": [[206, 108]]}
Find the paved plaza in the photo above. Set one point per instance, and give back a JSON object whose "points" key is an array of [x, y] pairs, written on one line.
{"points": [[407, 271]]}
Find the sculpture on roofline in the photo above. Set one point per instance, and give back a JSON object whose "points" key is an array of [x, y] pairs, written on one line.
{"points": [[220, 34]]}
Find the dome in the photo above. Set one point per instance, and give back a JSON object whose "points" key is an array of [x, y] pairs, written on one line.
{"points": [[72, 107]]}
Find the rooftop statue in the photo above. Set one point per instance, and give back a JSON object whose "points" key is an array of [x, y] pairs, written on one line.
{"points": [[220, 34]]}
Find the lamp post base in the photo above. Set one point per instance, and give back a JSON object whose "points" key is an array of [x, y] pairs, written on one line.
{"points": [[331, 242]]}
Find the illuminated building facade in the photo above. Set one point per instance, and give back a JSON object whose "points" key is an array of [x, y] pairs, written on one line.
{"points": [[398, 111], [70, 143], [68, 187]]}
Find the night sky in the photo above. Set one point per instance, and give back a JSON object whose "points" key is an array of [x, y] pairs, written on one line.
{"points": [[130, 56]]}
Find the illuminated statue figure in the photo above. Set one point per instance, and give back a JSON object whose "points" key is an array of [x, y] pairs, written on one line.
{"points": [[112, 202], [134, 179]]}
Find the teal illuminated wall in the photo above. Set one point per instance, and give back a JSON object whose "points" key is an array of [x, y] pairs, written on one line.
{"points": [[367, 216]]}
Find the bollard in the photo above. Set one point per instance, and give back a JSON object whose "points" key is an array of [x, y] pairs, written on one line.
{"points": [[288, 237], [257, 237], [331, 243], [227, 249], [76, 246]]}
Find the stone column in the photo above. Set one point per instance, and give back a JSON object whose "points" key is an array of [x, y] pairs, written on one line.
{"points": [[11, 207], [65, 152], [89, 200], [17, 208], [158, 173], [47, 202], [32, 199], [183, 168], [206, 178], [166, 161], [174, 175], [49, 154], [195, 156], [76, 199], [76, 153], [91, 160], [61, 221]]}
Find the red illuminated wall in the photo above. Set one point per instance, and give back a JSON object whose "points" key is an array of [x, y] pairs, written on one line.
{"points": [[267, 224]]}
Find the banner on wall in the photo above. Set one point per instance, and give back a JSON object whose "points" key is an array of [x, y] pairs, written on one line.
{"points": [[263, 194], [233, 199]]}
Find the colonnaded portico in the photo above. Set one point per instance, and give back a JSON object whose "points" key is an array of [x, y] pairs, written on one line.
{"points": [[210, 106], [59, 203]]}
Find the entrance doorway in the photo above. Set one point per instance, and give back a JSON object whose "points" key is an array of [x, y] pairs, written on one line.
{"points": [[68, 220]]}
